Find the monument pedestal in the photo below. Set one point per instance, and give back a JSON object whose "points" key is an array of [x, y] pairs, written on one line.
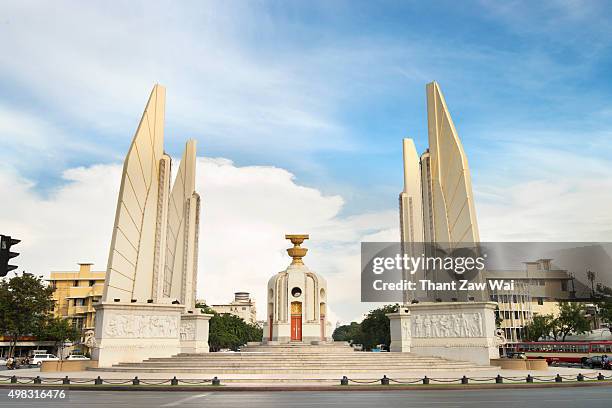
{"points": [[454, 330], [133, 332], [401, 340], [194, 333]]}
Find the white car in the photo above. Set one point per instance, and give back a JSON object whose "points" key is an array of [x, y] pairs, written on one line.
{"points": [[39, 358], [77, 357]]}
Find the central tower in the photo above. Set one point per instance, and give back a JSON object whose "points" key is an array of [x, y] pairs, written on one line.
{"points": [[297, 302]]}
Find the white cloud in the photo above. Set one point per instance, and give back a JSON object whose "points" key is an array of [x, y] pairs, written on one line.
{"points": [[553, 195], [245, 213], [93, 67]]}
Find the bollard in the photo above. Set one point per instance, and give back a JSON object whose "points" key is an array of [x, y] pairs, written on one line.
{"points": [[580, 377], [558, 378], [464, 380], [37, 380], [66, 380], [529, 378], [136, 381], [174, 381], [499, 379], [344, 380], [384, 380], [14, 379], [600, 377], [216, 381], [425, 380], [98, 381]]}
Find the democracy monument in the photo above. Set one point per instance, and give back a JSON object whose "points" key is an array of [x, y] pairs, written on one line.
{"points": [[148, 305], [297, 302], [437, 211], [147, 319]]}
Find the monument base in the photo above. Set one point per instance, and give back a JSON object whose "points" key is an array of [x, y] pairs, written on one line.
{"points": [[194, 333], [454, 330], [133, 332], [401, 341], [310, 332]]}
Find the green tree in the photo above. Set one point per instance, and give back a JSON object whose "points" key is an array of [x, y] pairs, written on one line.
{"points": [[59, 331], [348, 332], [591, 277], [571, 320], [605, 311], [230, 331], [498, 317], [375, 327], [540, 326], [25, 305]]}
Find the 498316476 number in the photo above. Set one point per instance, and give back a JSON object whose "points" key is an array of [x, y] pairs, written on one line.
{"points": [[37, 394]]}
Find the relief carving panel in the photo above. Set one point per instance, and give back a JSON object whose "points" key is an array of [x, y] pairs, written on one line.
{"points": [[447, 325], [141, 326]]}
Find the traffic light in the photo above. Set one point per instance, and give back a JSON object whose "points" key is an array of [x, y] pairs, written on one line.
{"points": [[5, 254]]}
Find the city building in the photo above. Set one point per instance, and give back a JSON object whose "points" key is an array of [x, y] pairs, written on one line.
{"points": [[242, 306], [537, 290], [75, 293]]}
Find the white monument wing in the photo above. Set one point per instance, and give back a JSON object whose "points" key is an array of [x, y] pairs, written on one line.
{"points": [[132, 251]]}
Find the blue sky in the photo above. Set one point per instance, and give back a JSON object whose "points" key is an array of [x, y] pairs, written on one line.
{"points": [[325, 90]]}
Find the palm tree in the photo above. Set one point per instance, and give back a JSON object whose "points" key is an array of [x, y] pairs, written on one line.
{"points": [[591, 278]]}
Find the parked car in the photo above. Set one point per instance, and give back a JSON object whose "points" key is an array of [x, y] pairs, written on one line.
{"points": [[77, 357], [516, 355], [598, 362], [39, 358]]}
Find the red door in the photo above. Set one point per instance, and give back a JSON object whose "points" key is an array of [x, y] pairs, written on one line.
{"points": [[296, 327]]}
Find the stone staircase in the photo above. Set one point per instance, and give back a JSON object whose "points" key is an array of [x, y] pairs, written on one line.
{"points": [[286, 361]]}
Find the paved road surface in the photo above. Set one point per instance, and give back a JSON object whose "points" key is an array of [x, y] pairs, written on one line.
{"points": [[586, 397]]}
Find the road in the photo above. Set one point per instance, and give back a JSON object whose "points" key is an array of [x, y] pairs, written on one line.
{"points": [[585, 397]]}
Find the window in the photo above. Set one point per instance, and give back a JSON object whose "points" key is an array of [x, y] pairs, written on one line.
{"points": [[540, 301], [92, 282], [79, 302], [77, 323], [76, 283], [564, 286]]}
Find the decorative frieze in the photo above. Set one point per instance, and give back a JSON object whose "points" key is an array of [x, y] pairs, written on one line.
{"points": [[447, 325], [141, 326]]}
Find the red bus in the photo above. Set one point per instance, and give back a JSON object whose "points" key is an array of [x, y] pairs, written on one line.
{"points": [[565, 351]]}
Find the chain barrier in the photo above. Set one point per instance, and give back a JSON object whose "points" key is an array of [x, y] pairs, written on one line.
{"points": [[81, 380], [187, 381], [364, 381], [117, 382], [445, 380], [344, 381], [154, 382], [417, 380], [481, 379]]}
